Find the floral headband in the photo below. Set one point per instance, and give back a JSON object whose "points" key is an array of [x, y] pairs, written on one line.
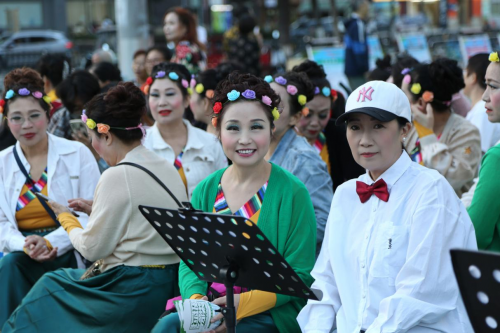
{"points": [[200, 88], [161, 75], [24, 92], [104, 129], [290, 89], [327, 92], [247, 94]]}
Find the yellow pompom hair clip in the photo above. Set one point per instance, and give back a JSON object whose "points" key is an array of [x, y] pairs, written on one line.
{"points": [[494, 57]]}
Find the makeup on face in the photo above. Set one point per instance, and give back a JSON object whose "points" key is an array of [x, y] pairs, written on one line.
{"points": [[166, 101], [315, 122], [245, 133], [27, 120], [491, 95]]}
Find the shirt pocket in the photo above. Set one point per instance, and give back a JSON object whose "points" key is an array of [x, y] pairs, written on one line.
{"points": [[389, 251]]}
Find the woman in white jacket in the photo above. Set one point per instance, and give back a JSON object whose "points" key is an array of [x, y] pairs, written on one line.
{"points": [[30, 239], [194, 152]]}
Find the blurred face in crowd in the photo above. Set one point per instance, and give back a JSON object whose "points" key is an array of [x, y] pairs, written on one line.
{"points": [[492, 94], [153, 58], [166, 102], [200, 106], [286, 121], [27, 121], [245, 133], [139, 68], [315, 122], [375, 145], [173, 29]]}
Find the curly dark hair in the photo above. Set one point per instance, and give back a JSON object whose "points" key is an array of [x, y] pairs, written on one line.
{"points": [[24, 78], [304, 87], [211, 77], [169, 67], [121, 106], [314, 72], [443, 77], [242, 82]]}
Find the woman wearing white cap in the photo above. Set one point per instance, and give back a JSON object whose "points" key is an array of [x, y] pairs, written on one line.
{"points": [[385, 264]]}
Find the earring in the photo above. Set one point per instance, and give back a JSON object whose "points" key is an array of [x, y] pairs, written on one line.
{"points": [[404, 139]]}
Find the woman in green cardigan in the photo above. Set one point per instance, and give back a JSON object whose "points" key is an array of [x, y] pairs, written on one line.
{"points": [[484, 210], [244, 113]]}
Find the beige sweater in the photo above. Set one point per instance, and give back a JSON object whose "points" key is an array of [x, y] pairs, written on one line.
{"points": [[117, 232], [456, 155]]}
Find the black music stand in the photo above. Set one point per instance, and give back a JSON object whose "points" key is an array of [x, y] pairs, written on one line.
{"points": [[478, 276], [226, 249]]}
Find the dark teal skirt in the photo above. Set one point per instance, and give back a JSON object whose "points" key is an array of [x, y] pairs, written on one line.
{"points": [[122, 299], [18, 274], [261, 323]]}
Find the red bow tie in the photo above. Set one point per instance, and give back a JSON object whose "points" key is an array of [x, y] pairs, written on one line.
{"points": [[366, 191]]}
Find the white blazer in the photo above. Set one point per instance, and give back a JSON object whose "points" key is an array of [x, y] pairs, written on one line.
{"points": [[72, 173], [203, 154]]}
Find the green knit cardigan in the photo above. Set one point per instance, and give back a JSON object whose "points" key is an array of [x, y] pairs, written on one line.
{"points": [[288, 221]]}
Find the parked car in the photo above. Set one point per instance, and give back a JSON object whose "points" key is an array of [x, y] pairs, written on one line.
{"points": [[25, 47]]}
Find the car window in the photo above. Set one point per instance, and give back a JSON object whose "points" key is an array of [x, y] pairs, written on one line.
{"points": [[39, 39], [19, 41]]}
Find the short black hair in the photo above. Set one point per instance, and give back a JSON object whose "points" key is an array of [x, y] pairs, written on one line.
{"points": [[79, 86], [106, 71], [163, 50], [55, 67], [477, 65]]}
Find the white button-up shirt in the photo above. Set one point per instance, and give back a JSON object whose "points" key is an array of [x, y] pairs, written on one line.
{"points": [[202, 156], [386, 266]]}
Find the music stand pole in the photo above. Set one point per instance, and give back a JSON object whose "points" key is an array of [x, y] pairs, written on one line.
{"points": [[229, 274]]}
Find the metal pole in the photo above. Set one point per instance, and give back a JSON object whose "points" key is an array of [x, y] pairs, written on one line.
{"points": [[132, 32]]}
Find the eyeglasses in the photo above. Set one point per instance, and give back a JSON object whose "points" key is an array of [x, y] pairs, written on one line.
{"points": [[32, 118]]}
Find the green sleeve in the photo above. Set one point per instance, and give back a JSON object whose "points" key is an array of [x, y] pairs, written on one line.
{"points": [[189, 284], [300, 247], [484, 210]]}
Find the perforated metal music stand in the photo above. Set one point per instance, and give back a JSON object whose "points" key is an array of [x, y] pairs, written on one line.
{"points": [[226, 249], [478, 276]]}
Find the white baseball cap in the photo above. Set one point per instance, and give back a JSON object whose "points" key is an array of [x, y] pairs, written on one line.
{"points": [[381, 100]]}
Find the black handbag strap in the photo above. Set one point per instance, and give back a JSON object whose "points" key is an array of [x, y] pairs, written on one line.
{"points": [[33, 188], [155, 178]]}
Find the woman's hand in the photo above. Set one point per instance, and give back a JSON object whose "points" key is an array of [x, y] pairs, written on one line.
{"points": [[58, 208], [81, 205], [36, 248], [221, 301], [426, 119], [80, 137]]}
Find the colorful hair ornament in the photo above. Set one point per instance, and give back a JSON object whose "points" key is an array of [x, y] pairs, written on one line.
{"points": [[190, 91], [84, 116], [406, 71], [407, 79], [9, 94], [185, 84], [428, 96], [266, 100], [199, 88], [173, 76], [37, 94], [249, 94], [276, 114], [280, 80], [2, 104], [143, 130], [316, 91], [102, 128], [160, 74], [217, 107], [416, 88], [209, 93], [326, 91], [91, 124], [23, 92], [335, 94], [268, 79], [302, 100], [494, 57], [146, 89], [192, 83], [149, 80], [291, 89], [305, 112], [214, 121], [233, 95]]}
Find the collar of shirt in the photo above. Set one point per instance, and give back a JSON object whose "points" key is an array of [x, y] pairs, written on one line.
{"points": [[391, 175], [194, 141], [285, 144]]}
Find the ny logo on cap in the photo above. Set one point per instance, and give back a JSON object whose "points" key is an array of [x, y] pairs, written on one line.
{"points": [[365, 93]]}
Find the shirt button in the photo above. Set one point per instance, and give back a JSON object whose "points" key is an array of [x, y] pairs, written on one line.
{"points": [[187, 169], [206, 158]]}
